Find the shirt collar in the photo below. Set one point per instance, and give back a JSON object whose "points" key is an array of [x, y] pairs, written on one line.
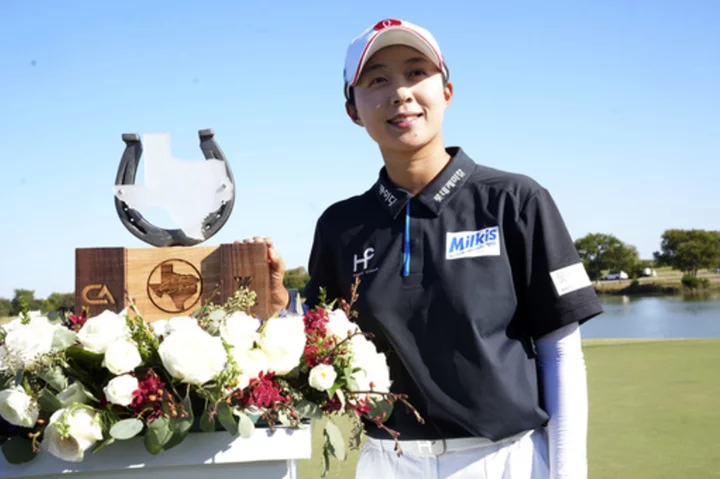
{"points": [[436, 194]]}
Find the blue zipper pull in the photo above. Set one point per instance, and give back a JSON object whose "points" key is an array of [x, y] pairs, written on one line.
{"points": [[406, 249]]}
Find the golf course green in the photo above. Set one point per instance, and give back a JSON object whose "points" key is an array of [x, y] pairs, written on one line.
{"points": [[654, 412]]}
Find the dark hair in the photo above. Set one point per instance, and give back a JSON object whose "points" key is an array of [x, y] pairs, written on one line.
{"points": [[351, 90]]}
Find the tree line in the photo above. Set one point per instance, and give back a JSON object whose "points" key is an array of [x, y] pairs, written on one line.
{"points": [[687, 251]]}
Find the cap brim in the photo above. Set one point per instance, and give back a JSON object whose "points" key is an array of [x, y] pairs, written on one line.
{"points": [[397, 36]]}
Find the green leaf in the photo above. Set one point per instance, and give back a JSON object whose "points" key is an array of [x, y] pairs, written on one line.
{"points": [[48, 401], [246, 426], [176, 439], [217, 315], [341, 396], [298, 305], [84, 357], [55, 378], [101, 445], [325, 458], [227, 419], [308, 409], [180, 425], [158, 435], [335, 438], [18, 450], [126, 429], [75, 393], [19, 377], [63, 338], [380, 406], [207, 424]]}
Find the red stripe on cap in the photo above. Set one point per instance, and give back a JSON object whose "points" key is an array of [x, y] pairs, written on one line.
{"points": [[411, 30]]}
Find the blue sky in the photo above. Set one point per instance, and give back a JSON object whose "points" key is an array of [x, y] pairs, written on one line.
{"points": [[611, 105]]}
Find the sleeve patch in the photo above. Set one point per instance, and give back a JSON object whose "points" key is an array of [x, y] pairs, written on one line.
{"points": [[570, 278]]}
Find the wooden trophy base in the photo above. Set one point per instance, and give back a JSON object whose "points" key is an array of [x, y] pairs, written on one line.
{"points": [[168, 282]]}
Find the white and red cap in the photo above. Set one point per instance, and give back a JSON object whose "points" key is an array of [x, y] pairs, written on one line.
{"points": [[384, 34]]}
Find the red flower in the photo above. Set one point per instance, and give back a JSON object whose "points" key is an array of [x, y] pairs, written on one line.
{"points": [[332, 405], [316, 322], [263, 392], [149, 395], [78, 320]]}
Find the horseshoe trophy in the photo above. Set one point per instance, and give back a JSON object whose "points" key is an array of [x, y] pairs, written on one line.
{"points": [[176, 275]]}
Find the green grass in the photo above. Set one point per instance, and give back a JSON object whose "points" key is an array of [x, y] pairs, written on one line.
{"points": [[654, 412]]}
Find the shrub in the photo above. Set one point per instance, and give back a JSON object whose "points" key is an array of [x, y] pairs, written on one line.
{"points": [[693, 282]]}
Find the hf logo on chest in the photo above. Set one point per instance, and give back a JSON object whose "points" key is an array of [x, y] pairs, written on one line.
{"points": [[472, 244]]}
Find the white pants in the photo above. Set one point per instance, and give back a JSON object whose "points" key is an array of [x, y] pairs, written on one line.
{"points": [[524, 456]]}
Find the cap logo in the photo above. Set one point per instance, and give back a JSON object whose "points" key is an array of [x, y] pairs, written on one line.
{"points": [[390, 22]]}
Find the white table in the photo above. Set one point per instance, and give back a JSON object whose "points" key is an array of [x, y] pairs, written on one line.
{"points": [[215, 455]]}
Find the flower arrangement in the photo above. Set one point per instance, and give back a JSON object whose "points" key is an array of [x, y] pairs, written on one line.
{"points": [[80, 384]]}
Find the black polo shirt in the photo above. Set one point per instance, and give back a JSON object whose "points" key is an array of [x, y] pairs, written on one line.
{"points": [[456, 283]]}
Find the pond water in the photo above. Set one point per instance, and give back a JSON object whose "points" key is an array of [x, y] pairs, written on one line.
{"points": [[651, 317]]}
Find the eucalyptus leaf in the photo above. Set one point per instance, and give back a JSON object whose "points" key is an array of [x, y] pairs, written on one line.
{"points": [[102, 445], [325, 460], [62, 339], [158, 435], [55, 378], [126, 429], [227, 419], [18, 450], [19, 375], [84, 357], [380, 406], [75, 393], [335, 438], [181, 425], [308, 409], [217, 315], [207, 424], [341, 396], [48, 401], [298, 305], [246, 426]]}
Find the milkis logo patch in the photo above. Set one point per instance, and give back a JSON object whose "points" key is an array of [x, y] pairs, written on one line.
{"points": [[471, 244]]}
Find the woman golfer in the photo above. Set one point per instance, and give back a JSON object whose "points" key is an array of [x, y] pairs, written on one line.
{"points": [[469, 280]]}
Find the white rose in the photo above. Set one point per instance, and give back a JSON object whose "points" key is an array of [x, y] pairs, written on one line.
{"points": [[122, 357], [283, 340], [159, 327], [29, 342], [374, 371], [11, 325], [182, 323], [361, 347], [101, 331], [120, 390], [322, 377], [339, 324], [17, 408], [240, 330], [3, 359], [252, 363], [83, 427], [193, 356]]}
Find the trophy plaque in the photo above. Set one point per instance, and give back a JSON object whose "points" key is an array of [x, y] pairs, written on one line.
{"points": [[176, 275]]}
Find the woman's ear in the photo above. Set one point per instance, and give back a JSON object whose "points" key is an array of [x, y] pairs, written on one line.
{"points": [[353, 113], [449, 91]]}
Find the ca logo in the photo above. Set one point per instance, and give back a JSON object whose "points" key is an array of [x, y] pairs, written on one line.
{"points": [[100, 294], [366, 257]]}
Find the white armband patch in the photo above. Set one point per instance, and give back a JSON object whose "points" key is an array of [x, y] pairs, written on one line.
{"points": [[570, 278]]}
